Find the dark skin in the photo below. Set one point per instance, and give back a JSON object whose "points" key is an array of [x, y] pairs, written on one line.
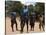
{"points": [[13, 21], [42, 24], [32, 23], [32, 20], [23, 21]]}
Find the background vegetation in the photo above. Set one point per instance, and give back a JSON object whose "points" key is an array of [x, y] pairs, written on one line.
{"points": [[16, 6]]}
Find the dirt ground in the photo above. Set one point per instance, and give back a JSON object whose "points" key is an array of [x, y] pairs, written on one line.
{"points": [[9, 30]]}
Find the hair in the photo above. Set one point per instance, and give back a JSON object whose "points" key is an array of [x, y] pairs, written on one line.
{"points": [[25, 6]]}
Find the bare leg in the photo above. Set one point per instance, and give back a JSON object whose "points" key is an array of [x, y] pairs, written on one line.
{"points": [[27, 25], [16, 25], [31, 27], [40, 26], [43, 27], [12, 26], [21, 26]]}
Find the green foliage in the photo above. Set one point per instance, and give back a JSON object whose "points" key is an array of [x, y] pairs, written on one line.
{"points": [[39, 7], [30, 9], [13, 6], [16, 6]]}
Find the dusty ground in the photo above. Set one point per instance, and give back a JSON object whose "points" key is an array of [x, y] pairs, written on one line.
{"points": [[9, 30]]}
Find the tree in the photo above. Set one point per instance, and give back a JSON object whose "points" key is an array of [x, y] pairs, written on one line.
{"points": [[13, 6], [39, 7], [30, 9]]}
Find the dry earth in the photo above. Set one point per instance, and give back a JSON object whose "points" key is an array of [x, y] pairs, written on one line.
{"points": [[9, 30]]}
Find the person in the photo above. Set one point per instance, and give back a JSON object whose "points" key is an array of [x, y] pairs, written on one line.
{"points": [[13, 20], [32, 20], [24, 18], [42, 21]]}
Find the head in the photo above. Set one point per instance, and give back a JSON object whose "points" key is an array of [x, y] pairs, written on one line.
{"points": [[25, 7]]}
